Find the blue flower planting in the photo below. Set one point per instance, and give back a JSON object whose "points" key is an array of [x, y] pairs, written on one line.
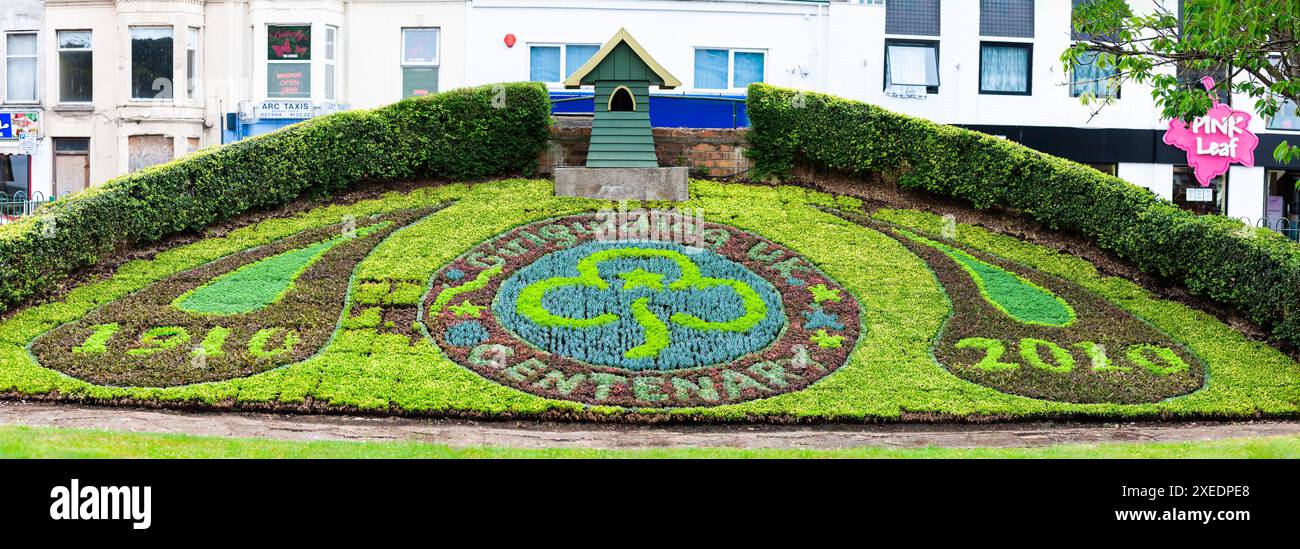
{"points": [[644, 295], [467, 334]]}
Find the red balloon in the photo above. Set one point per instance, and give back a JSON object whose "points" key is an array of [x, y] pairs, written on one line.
{"points": [[510, 40]]}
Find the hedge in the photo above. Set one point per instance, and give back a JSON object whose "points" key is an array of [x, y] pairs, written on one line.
{"points": [[1255, 271], [464, 134]]}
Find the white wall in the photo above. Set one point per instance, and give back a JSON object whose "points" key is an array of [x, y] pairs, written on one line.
{"points": [[26, 15], [857, 43], [791, 33], [1246, 192], [1159, 178], [113, 115], [374, 31]]}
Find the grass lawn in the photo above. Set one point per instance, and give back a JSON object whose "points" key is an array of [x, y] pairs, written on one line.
{"points": [[50, 442]]}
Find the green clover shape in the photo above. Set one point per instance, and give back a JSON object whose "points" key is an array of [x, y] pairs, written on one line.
{"points": [[529, 302]]}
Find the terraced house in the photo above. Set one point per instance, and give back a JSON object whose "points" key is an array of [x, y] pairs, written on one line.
{"points": [[117, 85]]}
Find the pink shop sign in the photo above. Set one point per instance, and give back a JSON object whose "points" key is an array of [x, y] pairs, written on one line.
{"points": [[1215, 140]]}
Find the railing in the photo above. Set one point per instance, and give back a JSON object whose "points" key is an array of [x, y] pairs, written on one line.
{"points": [[1284, 226], [669, 110], [20, 204]]}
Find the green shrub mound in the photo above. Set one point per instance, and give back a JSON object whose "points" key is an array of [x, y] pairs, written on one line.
{"points": [[463, 134], [1254, 270]]}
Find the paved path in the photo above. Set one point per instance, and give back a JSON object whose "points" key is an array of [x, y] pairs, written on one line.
{"points": [[578, 435]]}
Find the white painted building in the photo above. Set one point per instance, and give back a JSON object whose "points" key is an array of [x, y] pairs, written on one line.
{"points": [[22, 156], [121, 84]]}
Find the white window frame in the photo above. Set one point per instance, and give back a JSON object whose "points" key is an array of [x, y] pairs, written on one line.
{"points": [[59, 49], [564, 57], [197, 34], [36, 87], [731, 66], [331, 70], [437, 61]]}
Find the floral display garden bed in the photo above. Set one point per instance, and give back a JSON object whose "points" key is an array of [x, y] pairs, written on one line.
{"points": [[745, 303]]}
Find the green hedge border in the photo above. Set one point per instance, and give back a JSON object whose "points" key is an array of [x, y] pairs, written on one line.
{"points": [[1255, 271], [469, 133]]}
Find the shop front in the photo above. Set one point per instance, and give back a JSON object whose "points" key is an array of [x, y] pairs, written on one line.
{"points": [[21, 190], [1282, 202]]}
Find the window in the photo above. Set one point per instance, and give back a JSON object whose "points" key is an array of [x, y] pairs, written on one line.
{"points": [[1091, 77], [71, 164], [577, 55], [622, 100], [1074, 32], [719, 69], [544, 63], [15, 175], [1190, 195], [1286, 118], [1014, 18], [554, 63], [914, 17], [420, 61], [151, 63], [288, 61], [147, 150], [75, 68], [1282, 202], [1005, 68], [192, 63], [331, 53], [1191, 79], [911, 67], [1108, 168], [20, 67]]}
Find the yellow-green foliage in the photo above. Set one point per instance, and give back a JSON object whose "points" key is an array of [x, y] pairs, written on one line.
{"points": [[890, 371], [1254, 270]]}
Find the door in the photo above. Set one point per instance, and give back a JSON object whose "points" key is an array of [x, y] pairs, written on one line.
{"points": [[71, 164]]}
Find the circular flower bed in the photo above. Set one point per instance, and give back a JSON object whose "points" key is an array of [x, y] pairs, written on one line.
{"points": [[584, 308]]}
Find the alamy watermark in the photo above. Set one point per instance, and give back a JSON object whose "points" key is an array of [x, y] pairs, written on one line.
{"points": [[684, 226], [76, 502]]}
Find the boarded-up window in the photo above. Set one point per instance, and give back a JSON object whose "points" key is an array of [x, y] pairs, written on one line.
{"points": [[71, 164], [191, 144], [147, 150]]}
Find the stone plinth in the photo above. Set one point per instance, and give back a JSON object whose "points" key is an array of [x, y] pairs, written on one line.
{"points": [[623, 183]]}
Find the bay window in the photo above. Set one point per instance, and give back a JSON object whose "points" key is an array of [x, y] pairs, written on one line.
{"points": [[1005, 68], [192, 63], [288, 61], [420, 61], [76, 72], [331, 55], [151, 63]]}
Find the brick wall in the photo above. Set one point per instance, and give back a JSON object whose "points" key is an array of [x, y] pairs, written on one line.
{"points": [[708, 152]]}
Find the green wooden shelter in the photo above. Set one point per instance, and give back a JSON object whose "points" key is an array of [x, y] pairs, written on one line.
{"points": [[622, 73]]}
